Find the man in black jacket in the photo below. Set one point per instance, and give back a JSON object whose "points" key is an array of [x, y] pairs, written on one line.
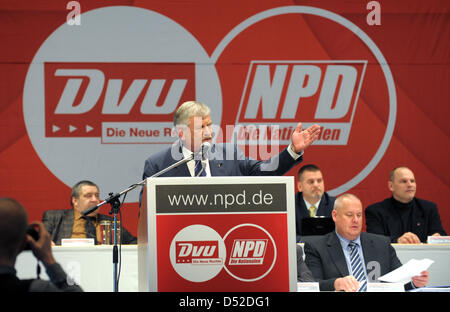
{"points": [[403, 217]]}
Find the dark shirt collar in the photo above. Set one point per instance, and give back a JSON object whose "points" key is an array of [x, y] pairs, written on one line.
{"points": [[401, 205]]}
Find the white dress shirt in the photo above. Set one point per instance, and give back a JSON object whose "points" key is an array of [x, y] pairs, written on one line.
{"points": [[191, 164]]}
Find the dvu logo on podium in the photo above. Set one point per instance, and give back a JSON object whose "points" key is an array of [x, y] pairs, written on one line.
{"points": [[197, 252], [282, 93]]}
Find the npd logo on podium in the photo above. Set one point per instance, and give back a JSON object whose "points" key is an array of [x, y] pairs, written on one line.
{"points": [[247, 252]]}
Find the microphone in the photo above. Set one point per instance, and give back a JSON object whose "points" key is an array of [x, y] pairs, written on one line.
{"points": [[206, 147], [202, 152], [113, 199], [106, 201], [202, 155], [92, 209]]}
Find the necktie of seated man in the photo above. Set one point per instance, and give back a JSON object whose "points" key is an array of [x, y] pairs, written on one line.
{"points": [[198, 168], [312, 211], [357, 266]]}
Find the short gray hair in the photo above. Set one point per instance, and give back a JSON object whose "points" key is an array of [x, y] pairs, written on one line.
{"points": [[188, 110]]}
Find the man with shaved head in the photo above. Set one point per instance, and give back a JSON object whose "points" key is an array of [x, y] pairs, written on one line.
{"points": [[13, 239], [403, 217], [340, 259]]}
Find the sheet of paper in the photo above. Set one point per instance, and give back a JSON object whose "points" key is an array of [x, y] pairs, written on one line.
{"points": [[404, 273], [385, 287], [308, 287], [77, 242]]}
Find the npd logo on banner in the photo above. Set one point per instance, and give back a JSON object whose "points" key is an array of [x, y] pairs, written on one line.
{"points": [[97, 109], [314, 66]]}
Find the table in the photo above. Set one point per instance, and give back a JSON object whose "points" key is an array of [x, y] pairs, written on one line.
{"points": [[92, 266]]}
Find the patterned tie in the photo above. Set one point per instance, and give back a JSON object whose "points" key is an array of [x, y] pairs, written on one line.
{"points": [[312, 211], [198, 168], [357, 266]]}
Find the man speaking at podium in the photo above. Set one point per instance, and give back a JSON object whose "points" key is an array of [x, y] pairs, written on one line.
{"points": [[193, 124]]}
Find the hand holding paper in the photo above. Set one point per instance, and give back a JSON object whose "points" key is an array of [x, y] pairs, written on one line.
{"points": [[407, 271], [421, 280]]}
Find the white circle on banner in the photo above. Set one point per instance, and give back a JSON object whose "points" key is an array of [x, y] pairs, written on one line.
{"points": [[252, 20], [117, 34], [270, 263], [197, 253]]}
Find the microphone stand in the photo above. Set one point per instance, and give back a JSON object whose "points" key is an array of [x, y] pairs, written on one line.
{"points": [[114, 201]]}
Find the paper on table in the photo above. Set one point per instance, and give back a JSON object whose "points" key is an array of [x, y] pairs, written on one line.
{"points": [[404, 273]]}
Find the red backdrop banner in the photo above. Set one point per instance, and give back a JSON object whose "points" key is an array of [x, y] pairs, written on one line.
{"points": [[92, 95]]}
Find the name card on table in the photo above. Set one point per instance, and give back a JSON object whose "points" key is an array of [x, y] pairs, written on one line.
{"points": [[308, 287], [385, 287], [77, 242], [438, 240]]}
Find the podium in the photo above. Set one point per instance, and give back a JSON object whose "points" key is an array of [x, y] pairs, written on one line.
{"points": [[217, 234]]}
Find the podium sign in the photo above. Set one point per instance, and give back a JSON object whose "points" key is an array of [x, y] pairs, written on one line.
{"points": [[217, 234]]}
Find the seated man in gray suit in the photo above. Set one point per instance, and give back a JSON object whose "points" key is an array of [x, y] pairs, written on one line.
{"points": [[339, 260], [193, 123], [70, 223]]}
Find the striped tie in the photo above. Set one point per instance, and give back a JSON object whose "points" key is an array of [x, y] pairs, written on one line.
{"points": [[198, 168], [357, 266]]}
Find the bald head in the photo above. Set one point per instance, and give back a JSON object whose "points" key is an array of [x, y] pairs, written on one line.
{"points": [[402, 184], [342, 200], [347, 216], [13, 225]]}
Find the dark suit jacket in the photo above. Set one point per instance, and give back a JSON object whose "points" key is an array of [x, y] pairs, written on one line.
{"points": [[381, 218], [225, 160], [303, 273], [59, 224], [325, 208], [326, 260]]}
